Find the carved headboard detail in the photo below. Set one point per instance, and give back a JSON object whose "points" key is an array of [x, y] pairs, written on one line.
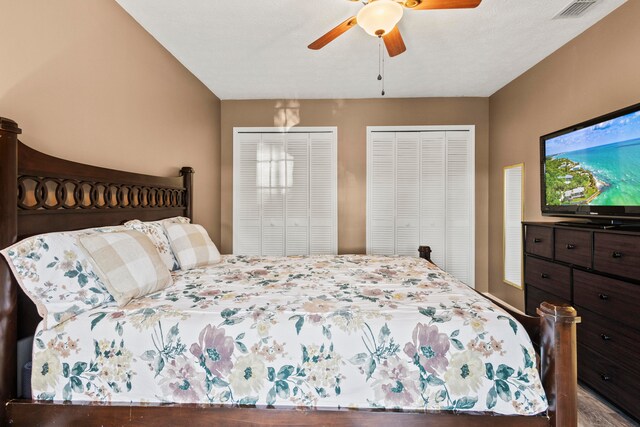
{"points": [[74, 195], [36, 192]]}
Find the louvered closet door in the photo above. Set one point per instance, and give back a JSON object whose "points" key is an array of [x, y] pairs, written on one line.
{"points": [[297, 194], [247, 234], [407, 192], [381, 193], [432, 194], [458, 206], [272, 167], [323, 193]]}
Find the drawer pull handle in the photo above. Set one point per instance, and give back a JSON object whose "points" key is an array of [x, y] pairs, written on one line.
{"points": [[603, 297], [616, 254], [605, 337], [544, 276], [571, 246], [605, 377], [537, 240]]}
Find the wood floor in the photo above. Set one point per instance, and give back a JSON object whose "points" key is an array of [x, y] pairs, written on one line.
{"points": [[593, 411]]}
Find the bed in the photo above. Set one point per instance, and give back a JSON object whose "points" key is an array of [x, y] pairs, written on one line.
{"points": [[336, 340]]}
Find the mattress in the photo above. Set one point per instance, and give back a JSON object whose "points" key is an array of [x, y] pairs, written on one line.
{"points": [[324, 331]]}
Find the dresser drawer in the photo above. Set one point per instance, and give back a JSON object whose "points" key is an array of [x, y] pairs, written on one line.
{"points": [[539, 241], [613, 299], [613, 381], [610, 339], [536, 296], [573, 247], [617, 254], [549, 277]]}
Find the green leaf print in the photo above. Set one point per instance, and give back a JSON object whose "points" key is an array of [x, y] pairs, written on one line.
{"points": [[492, 398], [503, 390]]}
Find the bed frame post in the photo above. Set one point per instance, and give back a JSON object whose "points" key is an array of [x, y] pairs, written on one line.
{"points": [[187, 175], [9, 131], [558, 362], [425, 252]]}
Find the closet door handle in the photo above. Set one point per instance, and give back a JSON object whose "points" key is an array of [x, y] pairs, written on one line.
{"points": [[571, 246], [603, 297], [605, 337], [605, 377], [537, 240], [544, 276], [616, 254]]}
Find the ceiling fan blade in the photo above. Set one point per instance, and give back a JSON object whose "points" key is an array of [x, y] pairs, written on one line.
{"points": [[333, 34], [394, 43], [441, 4]]}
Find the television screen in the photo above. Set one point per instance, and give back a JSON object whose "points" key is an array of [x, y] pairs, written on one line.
{"points": [[593, 168]]}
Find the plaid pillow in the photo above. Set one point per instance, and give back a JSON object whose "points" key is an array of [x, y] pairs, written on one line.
{"points": [[128, 264], [191, 245], [155, 231]]}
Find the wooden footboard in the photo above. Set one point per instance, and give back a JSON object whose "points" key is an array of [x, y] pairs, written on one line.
{"points": [[554, 333]]}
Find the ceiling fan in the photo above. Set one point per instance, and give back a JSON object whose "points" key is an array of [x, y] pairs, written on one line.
{"points": [[380, 18]]}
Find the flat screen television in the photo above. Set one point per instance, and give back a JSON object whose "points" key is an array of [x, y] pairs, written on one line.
{"points": [[592, 169]]}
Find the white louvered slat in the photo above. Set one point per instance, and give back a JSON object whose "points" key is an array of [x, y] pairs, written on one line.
{"points": [[323, 193], [432, 194], [297, 194], [246, 196], [407, 192], [381, 179], [458, 206], [272, 170]]}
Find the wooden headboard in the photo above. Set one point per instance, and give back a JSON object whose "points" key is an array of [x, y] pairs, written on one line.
{"points": [[41, 193]]}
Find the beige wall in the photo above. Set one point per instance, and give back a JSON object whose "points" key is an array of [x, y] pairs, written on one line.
{"points": [[351, 118], [87, 83], [592, 75]]}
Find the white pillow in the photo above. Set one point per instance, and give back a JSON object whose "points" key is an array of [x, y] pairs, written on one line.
{"points": [[191, 245], [56, 274], [128, 264]]}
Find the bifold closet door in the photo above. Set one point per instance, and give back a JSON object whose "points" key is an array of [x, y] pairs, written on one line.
{"points": [[407, 191], [459, 200], [247, 228], [381, 193], [273, 177], [433, 190], [285, 193], [323, 175], [420, 192], [297, 194]]}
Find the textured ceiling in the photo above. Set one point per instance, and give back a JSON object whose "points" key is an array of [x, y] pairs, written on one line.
{"points": [[257, 49]]}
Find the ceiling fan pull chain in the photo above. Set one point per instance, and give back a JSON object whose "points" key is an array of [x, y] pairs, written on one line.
{"points": [[381, 63], [382, 56], [379, 58]]}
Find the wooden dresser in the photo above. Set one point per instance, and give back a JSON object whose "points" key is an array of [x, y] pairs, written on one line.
{"points": [[598, 272]]}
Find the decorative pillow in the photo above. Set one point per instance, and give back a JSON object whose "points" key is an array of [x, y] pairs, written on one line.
{"points": [[155, 231], [57, 275], [128, 264], [192, 245]]}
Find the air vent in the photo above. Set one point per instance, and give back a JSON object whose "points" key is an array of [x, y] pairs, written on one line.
{"points": [[575, 9]]}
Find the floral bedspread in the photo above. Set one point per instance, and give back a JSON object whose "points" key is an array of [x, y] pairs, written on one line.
{"points": [[348, 331]]}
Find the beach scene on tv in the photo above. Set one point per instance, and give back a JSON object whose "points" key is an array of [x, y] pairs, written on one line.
{"points": [[597, 165]]}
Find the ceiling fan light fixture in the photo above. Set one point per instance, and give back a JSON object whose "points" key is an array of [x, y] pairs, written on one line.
{"points": [[379, 17]]}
